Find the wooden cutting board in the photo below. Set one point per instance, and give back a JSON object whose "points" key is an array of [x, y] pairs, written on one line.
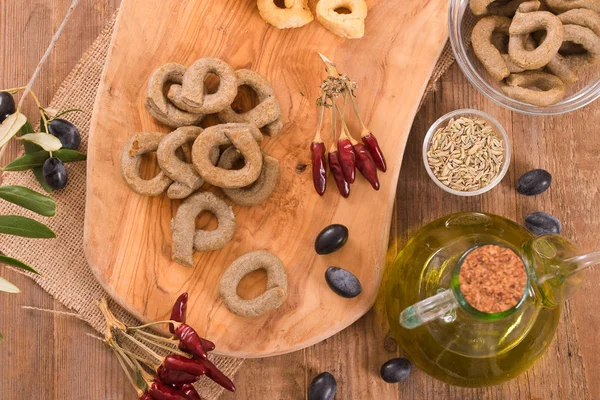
{"points": [[128, 237]]}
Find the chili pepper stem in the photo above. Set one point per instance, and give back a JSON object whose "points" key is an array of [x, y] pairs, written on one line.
{"points": [[127, 373], [140, 359], [110, 319], [150, 324], [317, 138], [170, 340], [142, 345], [355, 107], [162, 346]]}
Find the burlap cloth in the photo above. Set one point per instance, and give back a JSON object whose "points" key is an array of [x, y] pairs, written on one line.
{"points": [[61, 262]]}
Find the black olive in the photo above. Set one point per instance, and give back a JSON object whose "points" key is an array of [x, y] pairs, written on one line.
{"points": [[343, 282], [323, 387], [541, 223], [55, 173], [66, 132], [395, 370], [331, 239], [534, 182], [7, 105]]}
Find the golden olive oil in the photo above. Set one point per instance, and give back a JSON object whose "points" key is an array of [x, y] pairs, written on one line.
{"points": [[465, 349]]}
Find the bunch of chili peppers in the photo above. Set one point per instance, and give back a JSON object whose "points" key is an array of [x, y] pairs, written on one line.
{"points": [[160, 377], [345, 154]]}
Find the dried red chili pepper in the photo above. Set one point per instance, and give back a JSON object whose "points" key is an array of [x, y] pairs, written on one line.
{"points": [[146, 396], [189, 341], [207, 345], [217, 376], [180, 363], [179, 311], [175, 377], [190, 392], [366, 165], [338, 174], [347, 157], [319, 169], [371, 144], [160, 391]]}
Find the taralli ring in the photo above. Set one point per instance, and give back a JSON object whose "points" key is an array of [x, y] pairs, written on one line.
{"points": [[260, 190], [488, 54], [565, 66], [582, 17], [537, 88], [159, 106], [566, 5], [266, 112], [185, 236], [175, 168], [131, 160], [272, 298], [352, 25], [191, 95], [244, 138], [525, 23], [295, 14], [186, 179], [493, 7]]}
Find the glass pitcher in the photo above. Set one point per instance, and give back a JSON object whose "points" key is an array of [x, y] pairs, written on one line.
{"points": [[454, 342]]}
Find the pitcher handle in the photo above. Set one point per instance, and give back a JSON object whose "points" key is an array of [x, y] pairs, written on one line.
{"points": [[431, 308]]}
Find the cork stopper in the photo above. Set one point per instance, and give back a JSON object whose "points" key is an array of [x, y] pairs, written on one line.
{"points": [[492, 279]]}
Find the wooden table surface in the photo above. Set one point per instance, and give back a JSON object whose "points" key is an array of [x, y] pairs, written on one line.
{"points": [[50, 357]]}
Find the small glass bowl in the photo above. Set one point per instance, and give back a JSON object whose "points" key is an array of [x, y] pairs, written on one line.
{"points": [[470, 113], [461, 21]]}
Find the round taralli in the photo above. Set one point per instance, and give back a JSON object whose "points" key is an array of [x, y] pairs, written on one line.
{"points": [[183, 226], [295, 14], [537, 88], [494, 7], [488, 54], [131, 161], [191, 96], [244, 137], [159, 106], [527, 21], [565, 67], [260, 190], [171, 164], [272, 298], [265, 113], [352, 25], [566, 5]]}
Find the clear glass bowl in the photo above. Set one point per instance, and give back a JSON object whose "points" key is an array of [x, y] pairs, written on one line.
{"points": [[470, 113], [461, 21]]}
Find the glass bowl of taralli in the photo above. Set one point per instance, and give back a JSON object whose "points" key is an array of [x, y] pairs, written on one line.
{"points": [[534, 57]]}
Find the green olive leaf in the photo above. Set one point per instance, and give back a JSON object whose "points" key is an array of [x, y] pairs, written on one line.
{"points": [[13, 262], [25, 227], [11, 126], [46, 141], [29, 199], [28, 146], [39, 175], [7, 287], [37, 159]]}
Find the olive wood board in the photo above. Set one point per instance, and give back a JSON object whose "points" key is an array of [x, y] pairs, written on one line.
{"points": [[128, 237]]}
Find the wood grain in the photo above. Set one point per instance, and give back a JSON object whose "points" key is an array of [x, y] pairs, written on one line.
{"points": [[128, 237], [51, 358]]}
